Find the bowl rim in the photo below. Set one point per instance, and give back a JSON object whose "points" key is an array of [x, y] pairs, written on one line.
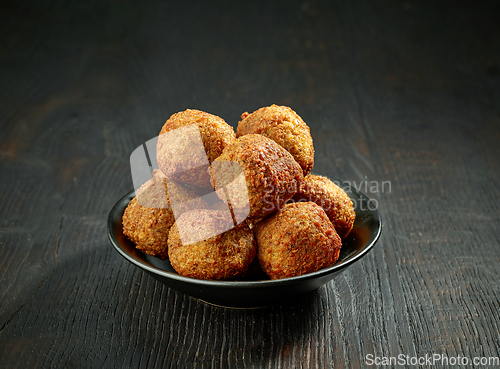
{"points": [[245, 284]]}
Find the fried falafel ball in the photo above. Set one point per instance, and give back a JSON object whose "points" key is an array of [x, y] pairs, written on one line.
{"points": [[336, 203], [178, 154], [296, 240], [284, 126], [227, 254], [270, 177], [149, 215]]}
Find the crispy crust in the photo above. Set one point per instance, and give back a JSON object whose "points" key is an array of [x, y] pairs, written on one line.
{"points": [[336, 203], [216, 135], [221, 257], [285, 127], [298, 239], [272, 175], [149, 216], [148, 228]]}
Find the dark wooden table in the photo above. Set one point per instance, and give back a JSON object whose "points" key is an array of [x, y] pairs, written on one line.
{"points": [[403, 94]]}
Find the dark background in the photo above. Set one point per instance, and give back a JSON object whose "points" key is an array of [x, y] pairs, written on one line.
{"points": [[406, 92]]}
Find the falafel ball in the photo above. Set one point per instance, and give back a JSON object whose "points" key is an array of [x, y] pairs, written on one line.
{"points": [[336, 203], [149, 215], [284, 126], [296, 240], [225, 255], [271, 176], [178, 154]]}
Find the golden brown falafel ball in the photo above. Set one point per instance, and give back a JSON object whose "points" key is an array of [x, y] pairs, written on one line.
{"points": [[149, 216], [177, 154], [284, 126], [296, 240], [226, 255], [271, 176], [336, 203], [148, 228]]}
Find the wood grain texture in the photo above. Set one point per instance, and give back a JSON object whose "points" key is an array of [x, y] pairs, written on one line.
{"points": [[393, 91]]}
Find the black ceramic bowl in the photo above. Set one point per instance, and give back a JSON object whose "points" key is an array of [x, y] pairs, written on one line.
{"points": [[253, 293]]}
